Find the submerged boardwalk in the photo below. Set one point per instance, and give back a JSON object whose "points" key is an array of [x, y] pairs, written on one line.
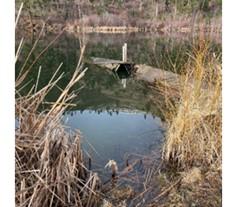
{"points": [[140, 71]]}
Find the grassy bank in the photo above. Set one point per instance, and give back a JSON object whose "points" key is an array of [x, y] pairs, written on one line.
{"points": [[191, 174]]}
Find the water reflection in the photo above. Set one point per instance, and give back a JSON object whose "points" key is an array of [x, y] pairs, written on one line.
{"points": [[103, 91], [115, 120], [115, 113], [112, 112], [111, 135], [155, 50]]}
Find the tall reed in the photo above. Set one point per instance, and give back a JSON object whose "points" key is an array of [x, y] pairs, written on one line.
{"points": [[194, 131], [49, 168], [192, 152]]}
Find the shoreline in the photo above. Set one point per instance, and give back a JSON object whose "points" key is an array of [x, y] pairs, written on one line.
{"points": [[181, 25]]}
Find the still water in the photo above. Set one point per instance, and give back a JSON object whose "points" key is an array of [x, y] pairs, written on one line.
{"points": [[115, 135], [114, 120], [116, 116]]}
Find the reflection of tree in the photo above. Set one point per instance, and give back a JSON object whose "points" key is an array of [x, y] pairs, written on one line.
{"points": [[168, 52], [144, 116], [148, 106], [102, 92]]}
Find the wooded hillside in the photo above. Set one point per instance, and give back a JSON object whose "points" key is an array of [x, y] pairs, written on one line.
{"points": [[125, 9]]}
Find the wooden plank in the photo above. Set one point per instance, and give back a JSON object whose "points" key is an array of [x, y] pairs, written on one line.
{"points": [[103, 61], [107, 63]]}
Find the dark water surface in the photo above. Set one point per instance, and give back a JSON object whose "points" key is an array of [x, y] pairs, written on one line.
{"points": [[115, 118]]}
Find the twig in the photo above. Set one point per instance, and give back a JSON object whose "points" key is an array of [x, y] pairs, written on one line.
{"points": [[167, 190]]}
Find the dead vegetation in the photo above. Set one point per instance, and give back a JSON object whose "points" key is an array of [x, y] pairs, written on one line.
{"points": [[49, 165], [194, 133], [192, 150], [50, 168]]}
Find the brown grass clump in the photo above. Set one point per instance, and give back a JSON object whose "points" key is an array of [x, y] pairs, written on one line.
{"points": [[192, 149], [49, 166], [49, 159], [194, 132]]}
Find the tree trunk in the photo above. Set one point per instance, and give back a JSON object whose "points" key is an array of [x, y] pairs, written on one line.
{"points": [[140, 6], [157, 9]]}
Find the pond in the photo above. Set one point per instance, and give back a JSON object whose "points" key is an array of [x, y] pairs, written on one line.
{"points": [[114, 120], [116, 116]]}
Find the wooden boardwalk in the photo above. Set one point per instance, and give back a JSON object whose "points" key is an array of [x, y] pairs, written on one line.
{"points": [[104, 61], [141, 72]]}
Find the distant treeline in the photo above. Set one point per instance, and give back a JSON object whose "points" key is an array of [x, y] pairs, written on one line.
{"points": [[124, 9]]}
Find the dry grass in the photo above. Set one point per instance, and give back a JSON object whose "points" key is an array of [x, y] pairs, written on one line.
{"points": [[49, 165], [49, 160], [194, 123], [192, 149], [50, 168]]}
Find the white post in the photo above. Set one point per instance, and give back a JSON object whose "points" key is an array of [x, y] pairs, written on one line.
{"points": [[125, 52], [124, 82]]}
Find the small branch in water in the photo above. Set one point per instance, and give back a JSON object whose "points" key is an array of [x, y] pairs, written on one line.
{"points": [[127, 164], [89, 163]]}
